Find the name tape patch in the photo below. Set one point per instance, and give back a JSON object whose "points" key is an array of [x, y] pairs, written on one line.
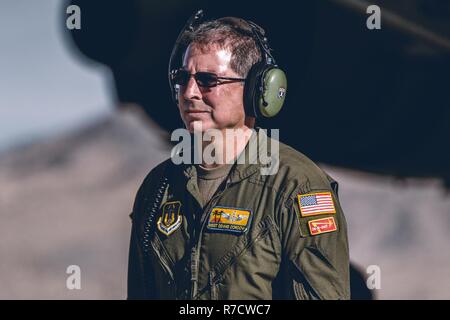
{"points": [[229, 219], [323, 225]]}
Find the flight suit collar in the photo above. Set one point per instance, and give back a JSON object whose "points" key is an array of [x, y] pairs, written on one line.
{"points": [[243, 168]]}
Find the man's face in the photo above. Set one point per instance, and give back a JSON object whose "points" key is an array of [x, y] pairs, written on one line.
{"points": [[218, 107]]}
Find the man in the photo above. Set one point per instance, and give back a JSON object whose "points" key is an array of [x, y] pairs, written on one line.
{"points": [[228, 230]]}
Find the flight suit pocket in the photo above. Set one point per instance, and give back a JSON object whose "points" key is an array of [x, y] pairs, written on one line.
{"points": [[255, 248], [301, 288], [313, 276], [264, 227], [166, 278], [219, 274]]}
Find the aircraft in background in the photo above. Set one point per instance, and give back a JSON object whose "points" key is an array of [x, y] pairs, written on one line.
{"points": [[370, 100]]}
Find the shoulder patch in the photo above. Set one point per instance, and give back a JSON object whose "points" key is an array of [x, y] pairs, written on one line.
{"points": [[171, 218], [323, 225], [316, 203]]}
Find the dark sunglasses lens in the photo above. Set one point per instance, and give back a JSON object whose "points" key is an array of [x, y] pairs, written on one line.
{"points": [[181, 77], [206, 79]]}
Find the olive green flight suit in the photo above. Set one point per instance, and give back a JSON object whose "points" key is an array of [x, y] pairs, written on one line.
{"points": [[278, 255]]}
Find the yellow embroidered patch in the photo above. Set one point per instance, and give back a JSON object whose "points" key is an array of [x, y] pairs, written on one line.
{"points": [[229, 219], [323, 225]]}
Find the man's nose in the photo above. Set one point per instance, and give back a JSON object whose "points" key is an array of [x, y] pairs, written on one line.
{"points": [[191, 91]]}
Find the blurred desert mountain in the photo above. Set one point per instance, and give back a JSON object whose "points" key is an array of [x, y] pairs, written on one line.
{"points": [[65, 201]]}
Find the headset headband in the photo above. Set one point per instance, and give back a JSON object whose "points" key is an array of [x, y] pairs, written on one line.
{"points": [[256, 32], [265, 85], [192, 21]]}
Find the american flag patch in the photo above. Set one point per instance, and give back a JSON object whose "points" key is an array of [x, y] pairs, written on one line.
{"points": [[313, 204]]}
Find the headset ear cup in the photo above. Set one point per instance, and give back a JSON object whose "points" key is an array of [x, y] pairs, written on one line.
{"points": [[252, 90], [265, 90], [274, 92]]}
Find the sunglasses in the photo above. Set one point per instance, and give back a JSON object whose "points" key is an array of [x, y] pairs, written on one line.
{"points": [[203, 79]]}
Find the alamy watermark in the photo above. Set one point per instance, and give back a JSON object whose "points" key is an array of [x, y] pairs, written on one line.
{"points": [[374, 279], [73, 281], [227, 146], [374, 20], [74, 20]]}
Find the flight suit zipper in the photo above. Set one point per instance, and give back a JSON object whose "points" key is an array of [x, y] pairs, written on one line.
{"points": [[212, 281], [195, 248], [194, 269]]}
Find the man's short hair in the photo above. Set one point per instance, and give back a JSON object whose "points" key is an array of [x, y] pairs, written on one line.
{"points": [[223, 34]]}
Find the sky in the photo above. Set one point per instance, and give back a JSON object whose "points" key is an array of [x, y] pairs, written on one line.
{"points": [[45, 88]]}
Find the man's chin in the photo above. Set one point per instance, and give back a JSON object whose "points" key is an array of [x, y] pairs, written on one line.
{"points": [[199, 126]]}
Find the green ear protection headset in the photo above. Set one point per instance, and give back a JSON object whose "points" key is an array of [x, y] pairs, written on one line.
{"points": [[266, 84]]}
